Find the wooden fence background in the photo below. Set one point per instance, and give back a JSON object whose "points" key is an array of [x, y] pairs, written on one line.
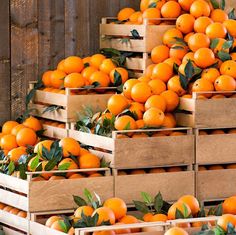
{"points": [[36, 34]]}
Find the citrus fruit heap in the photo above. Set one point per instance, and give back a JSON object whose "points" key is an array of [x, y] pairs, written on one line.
{"points": [[13, 210], [75, 72], [21, 146]]}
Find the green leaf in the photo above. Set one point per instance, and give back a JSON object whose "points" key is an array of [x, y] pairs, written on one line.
{"points": [[177, 47], [51, 108], [127, 126], [214, 43], [227, 45], [219, 210], [183, 81], [158, 202], [64, 166], [215, 4], [11, 168], [189, 70], [152, 5], [147, 198], [22, 169], [179, 214], [50, 165], [98, 199], [117, 78], [231, 14], [96, 84], [86, 65], [79, 201], [63, 226], [88, 195], [222, 4], [180, 41], [186, 214], [176, 68], [141, 206], [224, 56], [110, 52], [30, 96], [34, 163], [219, 231], [230, 228], [135, 34]]}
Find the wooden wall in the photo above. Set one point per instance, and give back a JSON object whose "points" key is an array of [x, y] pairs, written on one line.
{"points": [[36, 34]]}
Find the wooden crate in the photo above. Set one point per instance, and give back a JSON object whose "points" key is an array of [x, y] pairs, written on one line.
{"points": [[55, 132], [172, 185], [13, 224], [215, 149], [215, 184], [212, 113], [147, 151], [68, 105], [34, 196]]}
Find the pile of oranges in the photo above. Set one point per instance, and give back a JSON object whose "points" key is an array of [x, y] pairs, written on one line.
{"points": [[20, 140], [114, 212], [75, 72], [13, 210]]}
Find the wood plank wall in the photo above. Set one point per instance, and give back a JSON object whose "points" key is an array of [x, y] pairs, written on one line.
{"points": [[36, 34]]}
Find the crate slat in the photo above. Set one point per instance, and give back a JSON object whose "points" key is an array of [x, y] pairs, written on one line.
{"points": [[54, 132]]}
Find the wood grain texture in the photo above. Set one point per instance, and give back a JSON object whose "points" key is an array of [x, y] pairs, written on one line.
{"points": [[5, 82]]}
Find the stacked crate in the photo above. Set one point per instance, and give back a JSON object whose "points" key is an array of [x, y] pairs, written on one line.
{"points": [[212, 150], [146, 153], [137, 39]]}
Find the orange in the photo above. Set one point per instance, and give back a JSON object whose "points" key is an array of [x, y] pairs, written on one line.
{"points": [[162, 71], [7, 208], [86, 60], [87, 72], [107, 66], [187, 57], [96, 60], [2, 206], [231, 166], [144, 79], [231, 27], [122, 231], [45, 143], [8, 126], [228, 68], [157, 86], [187, 36], [125, 13], [15, 129], [128, 87], [46, 78], [202, 168], [74, 80], [153, 117], [159, 54], [26, 137], [159, 217], [218, 15], [225, 83], [177, 133], [105, 214], [95, 175], [185, 4], [157, 170], [185, 23], [140, 124], [136, 17], [8, 142], [60, 66], [117, 104], [139, 135], [57, 78], [200, 8], [71, 231], [175, 85], [219, 46], [172, 100], [123, 73], [147, 217], [117, 205], [72, 165], [129, 219], [22, 214], [101, 78], [229, 205], [176, 231], [233, 56], [70, 147], [57, 225], [152, 13], [225, 219], [155, 101], [192, 202], [169, 121], [140, 92], [76, 176], [73, 64], [46, 176], [16, 153], [202, 85], [210, 74], [55, 177], [148, 71], [218, 96], [197, 41], [171, 61], [178, 51], [86, 210], [33, 123], [89, 160], [14, 211], [215, 167], [125, 123], [204, 57], [170, 35], [216, 30], [105, 232], [182, 207], [137, 111], [171, 9], [201, 24]]}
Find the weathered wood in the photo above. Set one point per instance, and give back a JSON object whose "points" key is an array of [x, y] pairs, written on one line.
{"points": [[5, 82]]}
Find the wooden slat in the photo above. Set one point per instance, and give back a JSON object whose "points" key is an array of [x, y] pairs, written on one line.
{"points": [[39, 229], [24, 51], [54, 132], [137, 63], [5, 81]]}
